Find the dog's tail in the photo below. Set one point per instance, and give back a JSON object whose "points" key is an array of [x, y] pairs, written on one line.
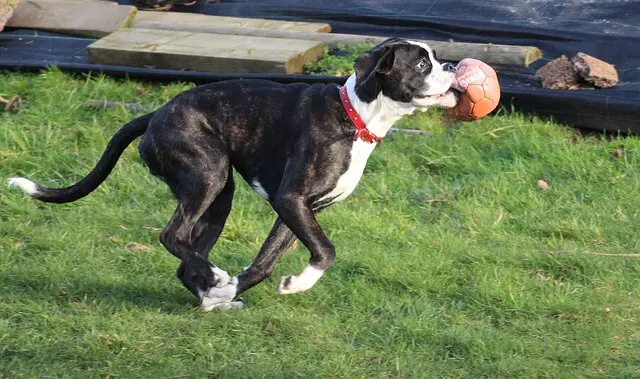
{"points": [[86, 185]]}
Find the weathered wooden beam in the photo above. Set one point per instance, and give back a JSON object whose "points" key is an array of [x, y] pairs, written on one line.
{"points": [[88, 18], [194, 22], [84, 1], [450, 51], [203, 51], [7, 7]]}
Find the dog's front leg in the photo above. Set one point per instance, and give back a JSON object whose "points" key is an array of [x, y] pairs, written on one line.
{"points": [[300, 218], [278, 241]]}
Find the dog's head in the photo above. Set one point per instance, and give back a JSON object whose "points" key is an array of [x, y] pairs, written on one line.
{"points": [[404, 71]]}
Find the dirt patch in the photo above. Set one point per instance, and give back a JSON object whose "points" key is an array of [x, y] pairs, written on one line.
{"points": [[582, 71], [559, 74]]}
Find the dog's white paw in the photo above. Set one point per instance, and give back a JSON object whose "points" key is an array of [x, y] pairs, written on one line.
{"points": [[222, 277], [220, 296], [301, 282], [225, 306], [291, 284]]}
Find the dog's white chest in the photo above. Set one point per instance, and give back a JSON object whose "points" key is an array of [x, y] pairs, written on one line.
{"points": [[360, 152]]}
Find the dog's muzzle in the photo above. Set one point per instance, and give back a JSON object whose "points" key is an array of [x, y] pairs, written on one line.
{"points": [[449, 67]]}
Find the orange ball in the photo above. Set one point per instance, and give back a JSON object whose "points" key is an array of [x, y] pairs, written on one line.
{"points": [[479, 90]]}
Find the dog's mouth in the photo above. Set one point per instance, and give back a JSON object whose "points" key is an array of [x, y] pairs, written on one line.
{"points": [[433, 97], [436, 86]]}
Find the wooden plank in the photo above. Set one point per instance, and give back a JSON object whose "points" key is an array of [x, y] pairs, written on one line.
{"points": [[86, 1], [88, 19], [7, 7], [203, 51], [449, 51], [201, 23], [489, 53]]}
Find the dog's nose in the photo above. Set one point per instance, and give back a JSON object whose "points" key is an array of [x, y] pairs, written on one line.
{"points": [[449, 67]]}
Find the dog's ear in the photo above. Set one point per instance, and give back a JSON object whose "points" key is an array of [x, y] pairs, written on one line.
{"points": [[370, 64], [377, 60], [392, 41]]}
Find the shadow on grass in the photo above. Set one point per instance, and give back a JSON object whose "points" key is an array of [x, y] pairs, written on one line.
{"points": [[66, 290]]}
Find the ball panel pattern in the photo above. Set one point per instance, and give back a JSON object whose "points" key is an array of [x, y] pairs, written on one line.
{"points": [[475, 92]]}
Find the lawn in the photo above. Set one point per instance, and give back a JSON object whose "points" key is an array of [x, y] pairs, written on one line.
{"points": [[451, 261]]}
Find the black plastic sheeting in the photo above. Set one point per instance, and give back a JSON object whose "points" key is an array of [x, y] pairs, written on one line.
{"points": [[606, 29]]}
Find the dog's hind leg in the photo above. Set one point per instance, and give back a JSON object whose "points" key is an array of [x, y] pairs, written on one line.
{"points": [[204, 236], [208, 229], [197, 186]]}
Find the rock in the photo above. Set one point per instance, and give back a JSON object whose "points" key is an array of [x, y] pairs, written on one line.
{"points": [[593, 70], [559, 74]]}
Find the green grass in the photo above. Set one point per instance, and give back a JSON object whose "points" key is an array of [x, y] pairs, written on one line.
{"points": [[337, 61], [451, 262]]}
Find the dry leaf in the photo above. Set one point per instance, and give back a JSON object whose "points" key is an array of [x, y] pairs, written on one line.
{"points": [[543, 185], [11, 103], [134, 246], [617, 153], [270, 327], [152, 228]]}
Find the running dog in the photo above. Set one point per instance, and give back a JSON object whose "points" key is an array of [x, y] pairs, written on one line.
{"points": [[301, 147]]}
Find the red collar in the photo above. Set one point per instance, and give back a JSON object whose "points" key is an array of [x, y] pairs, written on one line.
{"points": [[362, 131]]}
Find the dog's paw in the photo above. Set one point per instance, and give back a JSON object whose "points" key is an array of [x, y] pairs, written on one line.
{"points": [[220, 296], [225, 306], [221, 277], [288, 285], [301, 282]]}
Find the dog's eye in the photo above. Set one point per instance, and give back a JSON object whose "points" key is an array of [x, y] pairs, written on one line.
{"points": [[422, 64]]}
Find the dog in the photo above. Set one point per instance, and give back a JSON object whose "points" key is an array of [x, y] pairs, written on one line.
{"points": [[301, 147]]}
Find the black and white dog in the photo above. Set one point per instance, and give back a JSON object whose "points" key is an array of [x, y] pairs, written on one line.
{"points": [[301, 147]]}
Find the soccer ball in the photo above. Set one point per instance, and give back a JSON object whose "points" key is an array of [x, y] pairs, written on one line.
{"points": [[479, 90]]}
